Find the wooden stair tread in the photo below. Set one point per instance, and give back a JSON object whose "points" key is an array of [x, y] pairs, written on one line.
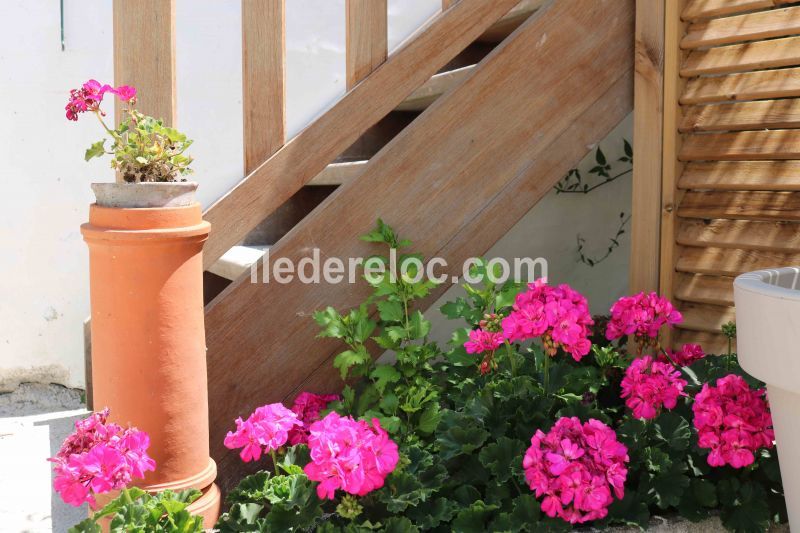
{"points": [[339, 173], [775, 53], [432, 89], [511, 21], [749, 27], [704, 317], [730, 261], [741, 175], [780, 83], [766, 114], [712, 343], [703, 289], [700, 9], [742, 145], [746, 205], [781, 236]]}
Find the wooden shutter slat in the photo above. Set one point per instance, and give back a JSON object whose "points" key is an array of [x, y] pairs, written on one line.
{"points": [[759, 85], [712, 343], [773, 114], [699, 9], [730, 262], [746, 205], [741, 175], [749, 27], [743, 145], [781, 236], [699, 288], [776, 53], [704, 317]]}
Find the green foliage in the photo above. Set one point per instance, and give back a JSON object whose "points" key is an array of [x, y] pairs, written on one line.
{"points": [[462, 435], [135, 511]]}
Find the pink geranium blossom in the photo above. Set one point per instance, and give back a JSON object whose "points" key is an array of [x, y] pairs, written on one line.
{"points": [[264, 431], [733, 421], [642, 315], [98, 457], [481, 341], [576, 469], [560, 315], [650, 385], [350, 455], [90, 96], [307, 406], [688, 354]]}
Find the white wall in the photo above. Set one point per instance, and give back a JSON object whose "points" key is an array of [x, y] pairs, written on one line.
{"points": [[45, 182]]}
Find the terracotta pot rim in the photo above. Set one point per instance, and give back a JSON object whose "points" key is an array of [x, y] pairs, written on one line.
{"points": [[199, 481]]}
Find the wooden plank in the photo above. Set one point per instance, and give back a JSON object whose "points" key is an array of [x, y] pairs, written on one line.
{"points": [[339, 173], [366, 44], [263, 79], [699, 288], [447, 3], [700, 9], [510, 21], [142, 61], [778, 236], [767, 114], [305, 156], [708, 318], [671, 168], [648, 123], [743, 57], [413, 183], [750, 27], [741, 175], [435, 87], [712, 343], [744, 205], [742, 145], [731, 262], [782, 83]]}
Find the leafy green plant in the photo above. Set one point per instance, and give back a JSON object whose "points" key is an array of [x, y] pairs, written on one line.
{"points": [[136, 511], [463, 423]]}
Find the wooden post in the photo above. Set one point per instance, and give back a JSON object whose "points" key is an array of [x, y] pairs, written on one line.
{"points": [[648, 118], [446, 4], [144, 55], [263, 79], [367, 44]]}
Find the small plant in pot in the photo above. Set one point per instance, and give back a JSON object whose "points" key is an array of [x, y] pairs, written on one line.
{"points": [[149, 157]]}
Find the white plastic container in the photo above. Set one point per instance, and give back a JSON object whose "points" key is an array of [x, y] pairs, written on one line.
{"points": [[768, 341]]}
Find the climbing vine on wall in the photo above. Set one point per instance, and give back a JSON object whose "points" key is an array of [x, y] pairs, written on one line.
{"points": [[600, 174]]}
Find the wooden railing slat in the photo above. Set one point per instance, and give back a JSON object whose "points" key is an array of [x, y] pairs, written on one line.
{"points": [[366, 38], [263, 79], [307, 154]]}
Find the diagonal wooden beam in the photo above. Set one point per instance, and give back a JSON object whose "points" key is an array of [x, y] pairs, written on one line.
{"points": [[429, 182], [307, 154]]}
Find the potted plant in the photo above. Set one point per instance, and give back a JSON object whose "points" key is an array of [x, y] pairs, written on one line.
{"points": [[145, 236]]}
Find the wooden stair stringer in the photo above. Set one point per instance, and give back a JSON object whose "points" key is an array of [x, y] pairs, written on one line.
{"points": [[433, 182]]}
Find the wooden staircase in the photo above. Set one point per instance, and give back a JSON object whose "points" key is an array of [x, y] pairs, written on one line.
{"points": [[488, 139], [729, 199]]}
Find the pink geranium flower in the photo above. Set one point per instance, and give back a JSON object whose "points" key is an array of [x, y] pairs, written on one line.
{"points": [[99, 457], [650, 385], [642, 315], [733, 421], [688, 354], [264, 431], [308, 406], [90, 96], [577, 469], [349, 455], [559, 315], [481, 341]]}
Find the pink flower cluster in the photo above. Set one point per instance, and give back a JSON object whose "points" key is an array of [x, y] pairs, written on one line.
{"points": [[576, 467], [90, 95], [642, 315], [688, 354], [733, 421], [350, 455], [481, 341], [99, 457], [266, 430], [558, 314], [650, 385], [307, 406]]}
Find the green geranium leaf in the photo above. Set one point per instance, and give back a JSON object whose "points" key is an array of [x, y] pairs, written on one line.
{"points": [[473, 519], [400, 524], [95, 150], [674, 430], [503, 457], [382, 375], [390, 311]]}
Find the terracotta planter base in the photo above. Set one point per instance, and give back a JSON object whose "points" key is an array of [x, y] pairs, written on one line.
{"points": [[207, 506]]}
